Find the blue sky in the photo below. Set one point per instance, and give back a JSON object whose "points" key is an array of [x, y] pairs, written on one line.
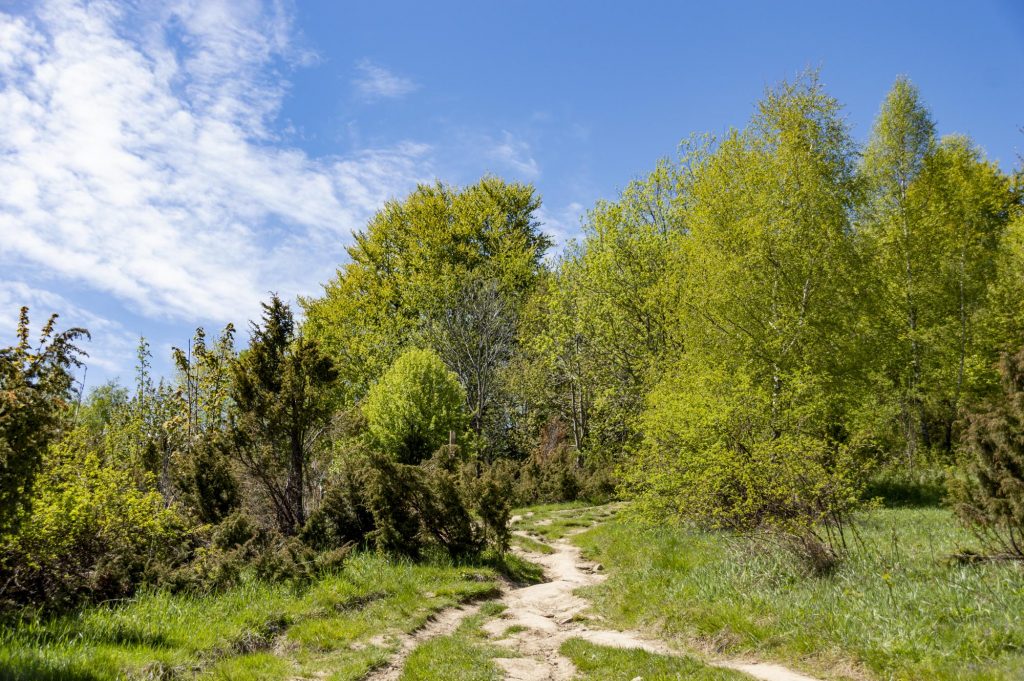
{"points": [[164, 165]]}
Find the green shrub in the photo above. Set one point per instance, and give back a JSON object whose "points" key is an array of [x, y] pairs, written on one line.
{"points": [[414, 406], [558, 472], [236, 530], [239, 550], [35, 388], [445, 504], [724, 454], [344, 516], [493, 497], [988, 494], [898, 486], [92, 534], [416, 505], [209, 486]]}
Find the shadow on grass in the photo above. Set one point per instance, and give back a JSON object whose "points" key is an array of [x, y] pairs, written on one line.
{"points": [[908, 489], [515, 569], [115, 636], [40, 670]]}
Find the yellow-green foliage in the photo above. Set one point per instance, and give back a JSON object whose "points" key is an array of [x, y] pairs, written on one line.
{"points": [[35, 384], [409, 262], [93, 531], [749, 428], [720, 452], [414, 406]]}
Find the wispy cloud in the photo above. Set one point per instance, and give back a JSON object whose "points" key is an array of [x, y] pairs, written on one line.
{"points": [[143, 162], [373, 82], [562, 224], [112, 346], [514, 154]]}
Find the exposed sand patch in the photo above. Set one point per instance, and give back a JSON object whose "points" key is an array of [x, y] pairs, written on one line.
{"points": [[442, 624], [549, 614]]}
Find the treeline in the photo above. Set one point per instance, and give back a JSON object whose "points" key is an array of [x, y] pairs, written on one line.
{"points": [[773, 318], [275, 461], [744, 339]]}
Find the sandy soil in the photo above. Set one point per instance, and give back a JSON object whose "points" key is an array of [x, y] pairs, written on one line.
{"points": [[442, 624], [548, 614]]}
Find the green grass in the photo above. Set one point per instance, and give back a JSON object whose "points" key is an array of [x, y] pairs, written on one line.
{"points": [[898, 487], [465, 655], [601, 663], [513, 630], [531, 545], [260, 631], [555, 521], [517, 570], [897, 608], [252, 667]]}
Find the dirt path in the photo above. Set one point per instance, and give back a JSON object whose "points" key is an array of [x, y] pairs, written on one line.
{"points": [[538, 619], [442, 624], [546, 615]]}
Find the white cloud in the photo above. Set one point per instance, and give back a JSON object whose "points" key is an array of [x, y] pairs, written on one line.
{"points": [[138, 158], [562, 225], [376, 82], [516, 155], [111, 349]]}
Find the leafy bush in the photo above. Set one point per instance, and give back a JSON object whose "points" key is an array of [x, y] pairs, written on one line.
{"points": [[716, 455], [92, 533], [414, 406], [989, 494]]}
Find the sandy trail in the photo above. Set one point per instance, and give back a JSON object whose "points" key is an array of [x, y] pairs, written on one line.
{"points": [[442, 624], [548, 614]]}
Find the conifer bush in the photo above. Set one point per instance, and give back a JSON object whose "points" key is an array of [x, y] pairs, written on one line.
{"points": [[343, 516], [988, 494], [35, 388], [414, 506]]}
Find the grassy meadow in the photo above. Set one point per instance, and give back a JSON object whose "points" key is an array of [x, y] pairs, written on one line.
{"points": [[337, 628], [899, 607]]}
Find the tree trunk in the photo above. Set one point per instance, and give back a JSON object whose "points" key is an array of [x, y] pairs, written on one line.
{"points": [[293, 488]]}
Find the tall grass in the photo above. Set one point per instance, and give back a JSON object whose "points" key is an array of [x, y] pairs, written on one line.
{"points": [[897, 608], [321, 627]]}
